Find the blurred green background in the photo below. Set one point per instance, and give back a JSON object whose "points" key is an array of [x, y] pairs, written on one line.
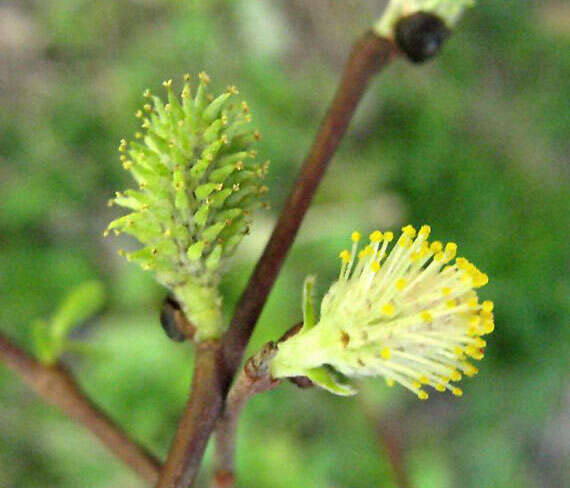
{"points": [[474, 143]]}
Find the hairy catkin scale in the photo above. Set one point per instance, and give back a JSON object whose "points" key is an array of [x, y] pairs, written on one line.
{"points": [[421, 36]]}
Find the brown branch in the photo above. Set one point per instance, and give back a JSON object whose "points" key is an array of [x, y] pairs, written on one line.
{"points": [[209, 385], [254, 378], [56, 385], [369, 55], [214, 371]]}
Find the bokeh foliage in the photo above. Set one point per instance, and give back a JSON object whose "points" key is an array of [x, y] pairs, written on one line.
{"points": [[474, 143]]}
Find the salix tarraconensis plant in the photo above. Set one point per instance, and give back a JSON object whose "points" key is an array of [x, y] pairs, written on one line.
{"points": [[198, 183], [410, 314]]}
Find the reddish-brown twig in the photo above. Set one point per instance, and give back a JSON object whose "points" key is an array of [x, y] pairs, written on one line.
{"points": [[254, 378], [56, 385], [369, 55]]}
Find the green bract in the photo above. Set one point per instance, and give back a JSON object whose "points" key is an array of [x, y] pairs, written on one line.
{"points": [[449, 11], [198, 183]]}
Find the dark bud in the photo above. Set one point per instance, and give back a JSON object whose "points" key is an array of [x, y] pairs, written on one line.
{"points": [[169, 318], [421, 35], [301, 381]]}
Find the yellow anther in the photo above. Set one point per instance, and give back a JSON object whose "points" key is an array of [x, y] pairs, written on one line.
{"points": [[415, 256], [474, 320], [147, 93], [390, 382], [388, 309], [487, 306], [345, 256], [457, 391], [446, 290], [480, 342], [450, 251], [436, 246], [204, 78], [409, 231], [455, 375], [470, 370], [385, 353], [404, 241], [440, 387], [355, 236], [423, 379], [473, 331], [473, 302], [458, 351], [375, 266], [488, 326], [127, 165], [376, 236], [426, 316], [187, 77], [486, 315], [167, 83], [424, 231], [367, 251], [462, 263], [438, 256], [232, 90], [416, 384], [450, 303], [139, 114], [123, 145], [474, 352], [480, 279], [401, 283], [444, 379], [422, 395], [388, 236]]}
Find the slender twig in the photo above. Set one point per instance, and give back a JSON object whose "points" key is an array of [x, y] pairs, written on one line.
{"points": [[254, 378], [389, 439], [56, 385], [209, 385], [369, 55]]}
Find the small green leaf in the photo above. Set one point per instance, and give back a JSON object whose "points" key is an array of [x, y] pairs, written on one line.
{"points": [[324, 378], [41, 342], [79, 305], [308, 308]]}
